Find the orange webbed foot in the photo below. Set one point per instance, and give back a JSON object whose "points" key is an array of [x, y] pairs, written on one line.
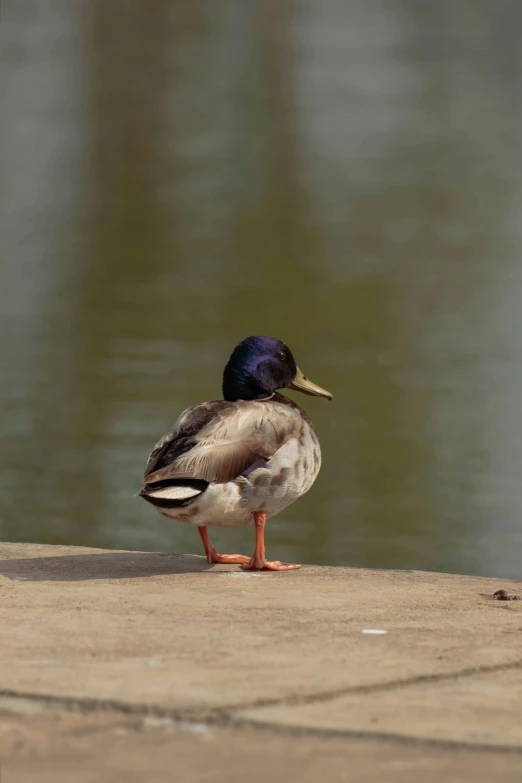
{"points": [[215, 557], [259, 562], [256, 564]]}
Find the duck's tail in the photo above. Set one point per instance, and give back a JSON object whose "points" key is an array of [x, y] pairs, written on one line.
{"points": [[173, 493]]}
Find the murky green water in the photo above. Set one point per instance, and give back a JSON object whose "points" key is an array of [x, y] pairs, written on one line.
{"points": [[342, 175]]}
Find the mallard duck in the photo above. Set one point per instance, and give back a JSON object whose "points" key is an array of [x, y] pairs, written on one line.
{"points": [[242, 459]]}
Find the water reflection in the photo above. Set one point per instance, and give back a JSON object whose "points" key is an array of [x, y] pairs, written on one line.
{"points": [[343, 176]]}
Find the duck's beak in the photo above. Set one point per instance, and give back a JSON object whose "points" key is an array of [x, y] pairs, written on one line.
{"points": [[302, 384]]}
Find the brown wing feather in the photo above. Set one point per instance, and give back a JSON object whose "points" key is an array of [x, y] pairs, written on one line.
{"points": [[187, 426], [226, 444]]}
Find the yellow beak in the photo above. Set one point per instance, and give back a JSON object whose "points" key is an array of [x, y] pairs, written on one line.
{"points": [[302, 384]]}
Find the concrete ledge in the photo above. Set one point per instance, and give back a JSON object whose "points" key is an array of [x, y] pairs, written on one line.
{"points": [[123, 639]]}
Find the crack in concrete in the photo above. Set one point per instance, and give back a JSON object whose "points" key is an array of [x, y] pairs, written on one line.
{"points": [[335, 693], [376, 736], [226, 715]]}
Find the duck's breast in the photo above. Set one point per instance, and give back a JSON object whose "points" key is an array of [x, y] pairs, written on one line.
{"points": [[288, 475]]}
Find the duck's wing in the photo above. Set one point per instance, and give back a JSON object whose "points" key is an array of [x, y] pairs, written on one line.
{"points": [[190, 422], [219, 441]]}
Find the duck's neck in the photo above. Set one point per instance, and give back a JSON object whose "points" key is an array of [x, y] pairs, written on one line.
{"points": [[244, 393], [240, 386]]}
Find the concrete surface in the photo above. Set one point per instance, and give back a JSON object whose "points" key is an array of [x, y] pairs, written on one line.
{"points": [[151, 667]]}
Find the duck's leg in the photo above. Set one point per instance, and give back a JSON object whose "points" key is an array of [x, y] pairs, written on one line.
{"points": [[259, 562], [215, 557]]}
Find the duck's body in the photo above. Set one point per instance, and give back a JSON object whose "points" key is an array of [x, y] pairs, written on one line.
{"points": [[248, 455], [238, 461]]}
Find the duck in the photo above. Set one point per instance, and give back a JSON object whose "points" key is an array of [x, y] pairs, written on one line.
{"points": [[242, 459]]}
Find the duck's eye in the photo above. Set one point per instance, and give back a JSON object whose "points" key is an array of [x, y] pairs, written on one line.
{"points": [[281, 355]]}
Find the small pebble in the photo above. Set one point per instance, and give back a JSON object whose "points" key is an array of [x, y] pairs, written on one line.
{"points": [[502, 595]]}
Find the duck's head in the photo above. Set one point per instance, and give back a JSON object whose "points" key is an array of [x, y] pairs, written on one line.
{"points": [[261, 365]]}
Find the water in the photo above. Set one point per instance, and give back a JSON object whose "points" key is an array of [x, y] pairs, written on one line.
{"points": [[344, 176]]}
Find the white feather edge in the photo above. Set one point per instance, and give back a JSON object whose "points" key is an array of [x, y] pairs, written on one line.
{"points": [[174, 493]]}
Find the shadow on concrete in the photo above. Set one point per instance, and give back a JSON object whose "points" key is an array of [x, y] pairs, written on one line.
{"points": [[108, 565]]}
